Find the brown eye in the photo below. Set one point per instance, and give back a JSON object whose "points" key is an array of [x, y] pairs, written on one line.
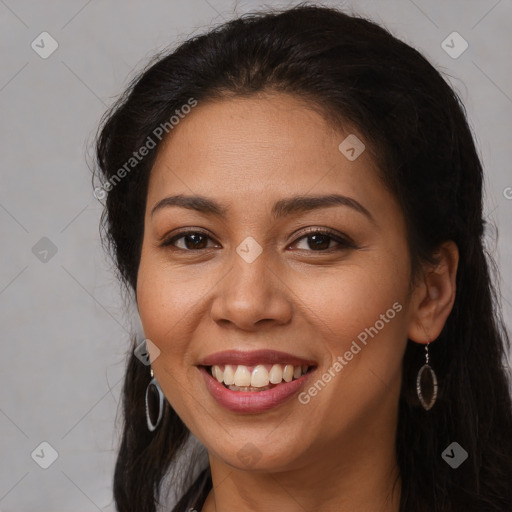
{"points": [[321, 241], [192, 240]]}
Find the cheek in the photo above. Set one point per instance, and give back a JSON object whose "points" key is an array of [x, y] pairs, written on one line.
{"points": [[167, 307], [359, 314], [165, 303], [351, 298]]}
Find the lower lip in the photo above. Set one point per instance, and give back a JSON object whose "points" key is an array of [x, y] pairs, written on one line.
{"points": [[252, 401]]}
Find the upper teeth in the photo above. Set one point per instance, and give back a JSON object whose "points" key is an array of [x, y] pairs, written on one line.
{"points": [[259, 377]]}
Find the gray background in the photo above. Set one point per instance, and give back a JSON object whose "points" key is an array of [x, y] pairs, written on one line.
{"points": [[64, 326]]}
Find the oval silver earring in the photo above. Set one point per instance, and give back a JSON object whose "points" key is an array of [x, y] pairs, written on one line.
{"points": [[155, 391], [426, 379]]}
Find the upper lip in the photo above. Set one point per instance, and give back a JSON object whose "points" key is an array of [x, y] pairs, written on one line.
{"points": [[252, 358]]}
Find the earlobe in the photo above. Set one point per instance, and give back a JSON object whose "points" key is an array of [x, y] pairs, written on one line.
{"points": [[435, 295]]}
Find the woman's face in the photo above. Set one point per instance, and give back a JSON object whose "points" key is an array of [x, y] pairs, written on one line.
{"points": [[256, 277]]}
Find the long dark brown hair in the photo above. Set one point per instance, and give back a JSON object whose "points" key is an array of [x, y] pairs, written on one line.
{"points": [[414, 124]]}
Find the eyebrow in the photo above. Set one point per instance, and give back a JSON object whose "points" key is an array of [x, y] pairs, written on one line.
{"points": [[281, 208]]}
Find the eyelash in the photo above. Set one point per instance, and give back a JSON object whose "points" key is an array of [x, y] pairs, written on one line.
{"points": [[343, 241]]}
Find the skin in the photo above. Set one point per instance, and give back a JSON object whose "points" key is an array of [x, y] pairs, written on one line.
{"points": [[338, 451]]}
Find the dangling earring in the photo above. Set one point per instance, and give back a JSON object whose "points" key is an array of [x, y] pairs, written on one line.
{"points": [[154, 388], [421, 381]]}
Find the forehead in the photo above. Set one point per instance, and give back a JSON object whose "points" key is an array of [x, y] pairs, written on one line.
{"points": [[248, 150]]}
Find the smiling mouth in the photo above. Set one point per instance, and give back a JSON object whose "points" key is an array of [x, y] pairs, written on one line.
{"points": [[261, 377]]}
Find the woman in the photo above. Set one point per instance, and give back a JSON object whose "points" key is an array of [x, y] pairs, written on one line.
{"points": [[295, 200]]}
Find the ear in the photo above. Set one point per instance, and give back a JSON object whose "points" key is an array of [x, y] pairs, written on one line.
{"points": [[434, 295]]}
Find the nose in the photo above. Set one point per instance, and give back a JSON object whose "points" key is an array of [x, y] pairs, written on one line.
{"points": [[252, 295]]}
